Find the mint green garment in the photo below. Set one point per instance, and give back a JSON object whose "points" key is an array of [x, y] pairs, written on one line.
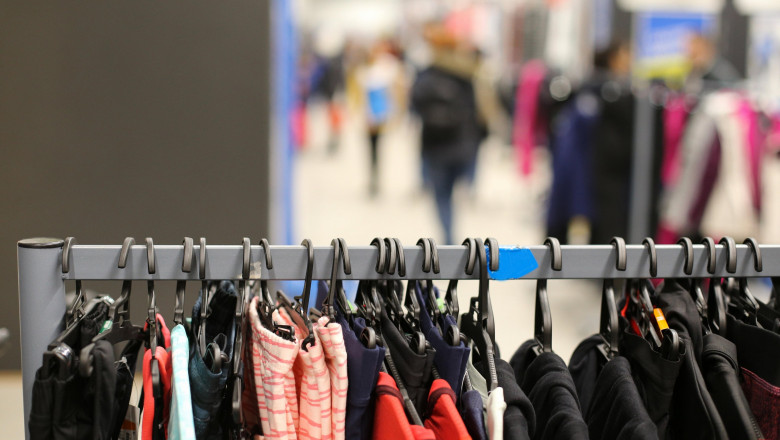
{"points": [[181, 425]]}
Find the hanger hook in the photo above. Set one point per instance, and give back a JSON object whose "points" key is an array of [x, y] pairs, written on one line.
{"points": [[247, 258], [186, 262], [401, 258], [757, 261], [202, 259], [620, 245], [345, 257], [269, 263], [129, 241], [309, 269], [381, 260], [426, 245], [150, 261], [709, 243], [492, 245], [687, 245], [557, 255], [731, 253], [650, 245], [434, 255], [69, 242], [392, 256], [472, 258]]}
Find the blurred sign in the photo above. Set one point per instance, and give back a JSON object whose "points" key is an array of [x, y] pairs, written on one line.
{"points": [[661, 39], [757, 6], [701, 6]]}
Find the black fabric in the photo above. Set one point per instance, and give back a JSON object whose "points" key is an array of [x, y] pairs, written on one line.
{"points": [[693, 412], [585, 366], [550, 387], [101, 389], [416, 370], [757, 349], [721, 372], [655, 377], [67, 406], [522, 359], [618, 412], [519, 417], [125, 374]]}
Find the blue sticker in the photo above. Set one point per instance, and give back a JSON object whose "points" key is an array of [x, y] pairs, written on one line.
{"points": [[514, 263]]}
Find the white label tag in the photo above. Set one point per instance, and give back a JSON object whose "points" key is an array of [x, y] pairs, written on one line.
{"points": [[130, 427]]}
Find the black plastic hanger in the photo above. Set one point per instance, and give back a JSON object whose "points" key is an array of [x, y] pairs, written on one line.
{"points": [[431, 301], [450, 333], [742, 304], [542, 315], [204, 296], [269, 264], [477, 324], [121, 306], [117, 332], [765, 316], [298, 309], [336, 292], [77, 311], [451, 297], [609, 328], [151, 320], [367, 297], [74, 313], [181, 285], [410, 301], [716, 303], [238, 348], [639, 306]]}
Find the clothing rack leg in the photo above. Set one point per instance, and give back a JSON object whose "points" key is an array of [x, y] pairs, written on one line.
{"points": [[41, 305]]}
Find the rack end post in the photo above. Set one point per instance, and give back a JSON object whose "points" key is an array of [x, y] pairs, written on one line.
{"points": [[41, 305]]}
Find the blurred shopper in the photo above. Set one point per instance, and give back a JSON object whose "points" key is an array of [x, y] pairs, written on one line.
{"points": [[381, 79], [591, 144], [709, 71], [327, 81], [443, 98]]}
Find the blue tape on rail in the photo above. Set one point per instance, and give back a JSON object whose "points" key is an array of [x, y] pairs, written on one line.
{"points": [[514, 263]]}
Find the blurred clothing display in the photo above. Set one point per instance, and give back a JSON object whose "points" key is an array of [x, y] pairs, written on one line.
{"points": [[717, 192], [529, 127]]}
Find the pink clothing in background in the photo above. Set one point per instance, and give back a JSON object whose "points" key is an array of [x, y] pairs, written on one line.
{"points": [[755, 142], [527, 125], [675, 117]]}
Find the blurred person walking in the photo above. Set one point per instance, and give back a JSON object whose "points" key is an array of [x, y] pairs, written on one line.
{"points": [[443, 97], [382, 80], [709, 70]]}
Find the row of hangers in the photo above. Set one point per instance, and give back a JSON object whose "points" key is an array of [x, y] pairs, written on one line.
{"points": [[376, 296]]}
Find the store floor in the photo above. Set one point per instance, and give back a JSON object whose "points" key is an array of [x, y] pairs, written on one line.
{"points": [[332, 200]]}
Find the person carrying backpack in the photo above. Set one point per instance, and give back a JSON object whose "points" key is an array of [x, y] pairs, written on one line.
{"points": [[443, 99]]}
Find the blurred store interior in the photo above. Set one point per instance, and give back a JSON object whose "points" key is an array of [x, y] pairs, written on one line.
{"points": [[517, 119]]}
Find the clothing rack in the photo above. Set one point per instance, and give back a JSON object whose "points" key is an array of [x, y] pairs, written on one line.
{"points": [[43, 272]]}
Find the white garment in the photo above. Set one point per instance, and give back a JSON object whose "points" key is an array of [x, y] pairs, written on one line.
{"points": [[730, 209], [495, 414]]}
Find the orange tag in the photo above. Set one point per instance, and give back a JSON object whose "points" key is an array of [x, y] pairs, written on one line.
{"points": [[660, 319]]}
